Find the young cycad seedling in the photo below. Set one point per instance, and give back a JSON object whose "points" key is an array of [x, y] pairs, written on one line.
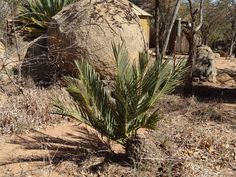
{"points": [[118, 114]]}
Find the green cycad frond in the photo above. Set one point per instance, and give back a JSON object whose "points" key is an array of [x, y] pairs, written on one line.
{"points": [[95, 103], [36, 14], [138, 86]]}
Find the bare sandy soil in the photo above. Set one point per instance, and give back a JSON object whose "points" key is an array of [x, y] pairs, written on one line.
{"points": [[33, 153], [226, 66], [222, 63]]}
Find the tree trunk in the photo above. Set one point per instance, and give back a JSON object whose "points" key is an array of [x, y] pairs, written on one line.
{"points": [[157, 29], [232, 44], [205, 39], [173, 18], [188, 88]]}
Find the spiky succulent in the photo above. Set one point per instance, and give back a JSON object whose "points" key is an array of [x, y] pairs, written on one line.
{"points": [[120, 112], [36, 14]]}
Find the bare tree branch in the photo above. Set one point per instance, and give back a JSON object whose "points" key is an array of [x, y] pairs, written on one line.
{"points": [[201, 17], [157, 28], [191, 8]]}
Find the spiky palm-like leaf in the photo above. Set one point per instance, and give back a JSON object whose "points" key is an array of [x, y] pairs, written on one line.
{"points": [[137, 88], [36, 14]]}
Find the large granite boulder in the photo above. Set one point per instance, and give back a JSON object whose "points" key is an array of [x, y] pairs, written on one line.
{"points": [[36, 64], [204, 64], [86, 30]]}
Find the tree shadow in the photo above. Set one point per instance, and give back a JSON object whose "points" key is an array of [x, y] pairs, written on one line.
{"points": [[230, 72], [74, 148], [220, 94], [208, 93]]}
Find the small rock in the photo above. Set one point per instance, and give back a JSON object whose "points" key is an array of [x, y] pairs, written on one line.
{"points": [[196, 79], [4, 78], [223, 78], [230, 83], [217, 55], [2, 50]]}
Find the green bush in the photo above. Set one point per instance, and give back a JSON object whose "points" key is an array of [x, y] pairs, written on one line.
{"points": [[37, 14], [121, 111]]}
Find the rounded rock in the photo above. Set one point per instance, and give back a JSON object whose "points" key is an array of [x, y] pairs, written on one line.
{"points": [[87, 29]]}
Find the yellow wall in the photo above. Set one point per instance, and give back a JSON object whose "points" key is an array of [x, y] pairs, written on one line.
{"points": [[145, 24]]}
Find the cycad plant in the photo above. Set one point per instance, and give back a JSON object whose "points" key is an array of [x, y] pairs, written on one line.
{"points": [[118, 113], [36, 14]]}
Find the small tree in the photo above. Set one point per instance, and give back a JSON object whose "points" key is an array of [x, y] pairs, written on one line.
{"points": [[118, 114], [232, 17], [226, 10], [212, 18], [190, 32]]}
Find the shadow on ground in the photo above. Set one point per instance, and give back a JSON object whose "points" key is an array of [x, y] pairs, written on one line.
{"points": [[74, 148], [208, 93], [220, 94], [205, 93]]}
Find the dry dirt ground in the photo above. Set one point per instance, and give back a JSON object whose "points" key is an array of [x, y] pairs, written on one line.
{"points": [[226, 66], [196, 137], [222, 63]]}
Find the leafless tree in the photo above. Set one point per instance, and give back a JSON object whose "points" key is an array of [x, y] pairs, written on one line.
{"points": [[157, 28], [233, 27], [190, 31]]}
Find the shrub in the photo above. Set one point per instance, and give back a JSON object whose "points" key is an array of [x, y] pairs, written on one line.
{"points": [[37, 14], [21, 112], [120, 112]]}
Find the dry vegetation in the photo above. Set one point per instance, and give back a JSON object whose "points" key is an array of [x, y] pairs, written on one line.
{"points": [[195, 138], [27, 110]]}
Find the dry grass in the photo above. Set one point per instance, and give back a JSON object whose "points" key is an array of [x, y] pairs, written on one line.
{"points": [[194, 139], [26, 110], [203, 135], [23, 106]]}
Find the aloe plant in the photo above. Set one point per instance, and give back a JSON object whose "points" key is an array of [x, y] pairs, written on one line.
{"points": [[120, 112], [36, 14]]}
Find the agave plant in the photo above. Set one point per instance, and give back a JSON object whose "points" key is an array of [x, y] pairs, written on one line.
{"points": [[120, 112], [36, 14]]}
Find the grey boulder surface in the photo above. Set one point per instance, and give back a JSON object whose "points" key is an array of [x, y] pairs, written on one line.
{"points": [[204, 64]]}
